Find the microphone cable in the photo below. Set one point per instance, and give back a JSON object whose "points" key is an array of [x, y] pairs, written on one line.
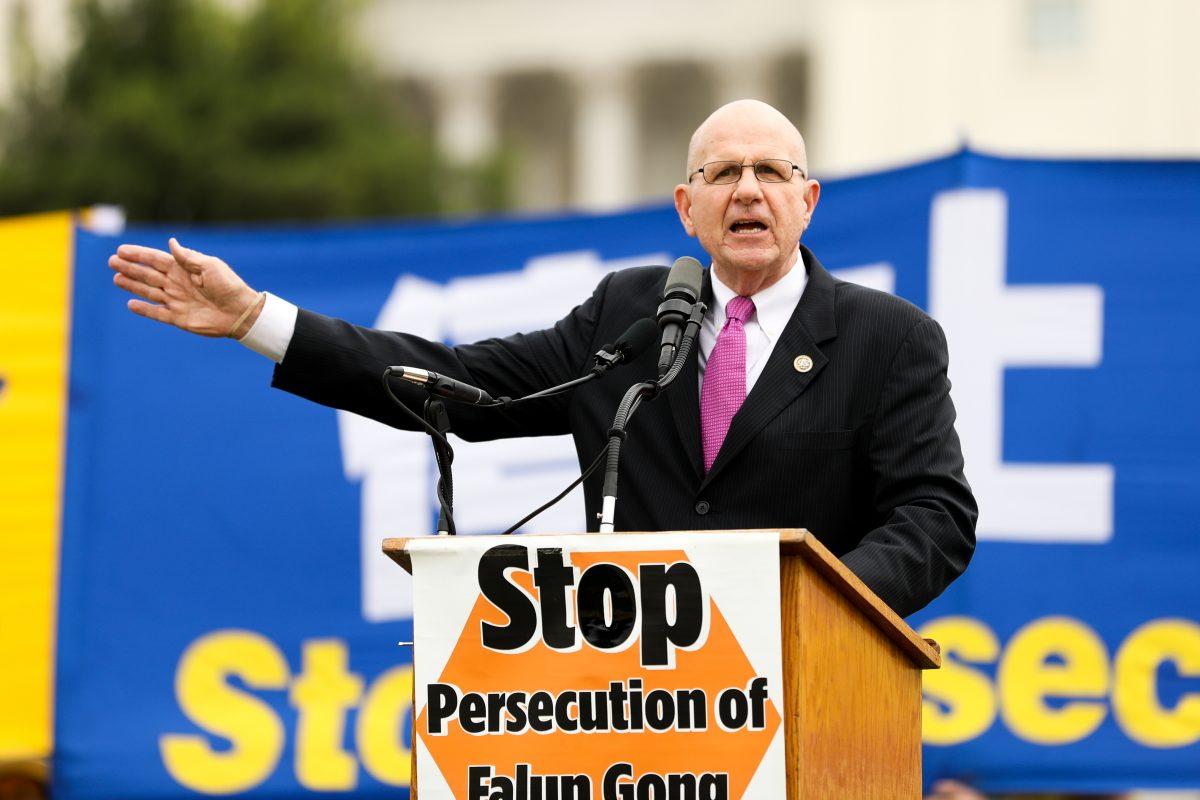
{"points": [[443, 454], [583, 476], [437, 436], [629, 346]]}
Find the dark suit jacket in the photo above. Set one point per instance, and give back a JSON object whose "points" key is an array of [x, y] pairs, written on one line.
{"points": [[861, 449]]}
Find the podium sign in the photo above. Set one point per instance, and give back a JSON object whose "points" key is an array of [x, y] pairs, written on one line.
{"points": [[598, 667]]}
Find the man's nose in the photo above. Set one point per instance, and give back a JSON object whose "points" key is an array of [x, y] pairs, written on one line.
{"points": [[748, 187]]}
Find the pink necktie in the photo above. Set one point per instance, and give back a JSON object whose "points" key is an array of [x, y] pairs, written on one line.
{"points": [[724, 386]]}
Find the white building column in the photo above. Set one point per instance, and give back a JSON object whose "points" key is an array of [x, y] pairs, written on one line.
{"points": [[741, 78], [465, 117], [605, 157]]}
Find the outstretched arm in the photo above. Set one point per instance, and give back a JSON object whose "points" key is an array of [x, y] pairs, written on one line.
{"points": [[198, 293], [341, 365]]}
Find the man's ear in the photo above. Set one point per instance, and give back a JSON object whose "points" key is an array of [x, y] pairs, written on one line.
{"points": [[683, 206], [812, 194]]}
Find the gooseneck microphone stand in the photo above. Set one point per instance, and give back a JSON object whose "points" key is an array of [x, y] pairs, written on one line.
{"points": [[435, 414], [436, 422], [646, 390]]}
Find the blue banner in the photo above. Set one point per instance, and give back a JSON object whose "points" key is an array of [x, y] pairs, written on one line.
{"points": [[229, 626]]}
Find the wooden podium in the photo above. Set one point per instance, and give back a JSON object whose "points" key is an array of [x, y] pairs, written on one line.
{"points": [[851, 679]]}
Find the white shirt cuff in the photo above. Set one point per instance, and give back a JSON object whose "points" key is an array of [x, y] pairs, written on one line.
{"points": [[272, 332]]}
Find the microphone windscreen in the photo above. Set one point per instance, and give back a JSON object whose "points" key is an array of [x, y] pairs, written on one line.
{"points": [[638, 338], [686, 275]]}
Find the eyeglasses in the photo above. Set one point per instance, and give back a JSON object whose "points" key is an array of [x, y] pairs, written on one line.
{"points": [[768, 170]]}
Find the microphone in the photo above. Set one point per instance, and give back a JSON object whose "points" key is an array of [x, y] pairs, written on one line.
{"points": [[631, 344], [446, 387], [680, 293]]}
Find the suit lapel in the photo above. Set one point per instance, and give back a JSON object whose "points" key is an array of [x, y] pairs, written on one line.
{"points": [[780, 383], [684, 395]]}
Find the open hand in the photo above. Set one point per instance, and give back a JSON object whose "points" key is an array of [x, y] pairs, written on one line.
{"points": [[187, 289]]}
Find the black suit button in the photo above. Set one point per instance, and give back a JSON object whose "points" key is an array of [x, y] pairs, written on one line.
{"points": [[702, 507]]}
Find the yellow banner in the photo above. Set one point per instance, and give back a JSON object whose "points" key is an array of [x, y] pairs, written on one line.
{"points": [[35, 294]]}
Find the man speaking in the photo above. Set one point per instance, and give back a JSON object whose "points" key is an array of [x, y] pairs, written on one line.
{"points": [[809, 402]]}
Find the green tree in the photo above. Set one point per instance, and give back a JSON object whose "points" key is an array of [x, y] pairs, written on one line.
{"points": [[181, 110]]}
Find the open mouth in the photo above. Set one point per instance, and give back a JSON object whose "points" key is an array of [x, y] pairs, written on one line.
{"points": [[747, 226]]}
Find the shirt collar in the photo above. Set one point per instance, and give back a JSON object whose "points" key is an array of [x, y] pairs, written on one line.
{"points": [[773, 306]]}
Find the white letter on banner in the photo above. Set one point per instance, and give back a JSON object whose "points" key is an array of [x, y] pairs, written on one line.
{"points": [[992, 326], [393, 465], [880, 276], [496, 483]]}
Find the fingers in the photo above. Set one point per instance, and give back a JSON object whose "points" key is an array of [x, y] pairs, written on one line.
{"points": [[140, 289], [148, 256], [159, 313], [187, 258], [190, 260], [137, 272]]}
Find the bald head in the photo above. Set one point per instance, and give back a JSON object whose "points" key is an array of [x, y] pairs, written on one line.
{"points": [[748, 122], [751, 225]]}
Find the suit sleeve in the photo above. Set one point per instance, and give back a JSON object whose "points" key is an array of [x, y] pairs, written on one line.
{"points": [[341, 365], [929, 512]]}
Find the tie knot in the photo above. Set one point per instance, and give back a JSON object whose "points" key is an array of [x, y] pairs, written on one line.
{"points": [[739, 308]]}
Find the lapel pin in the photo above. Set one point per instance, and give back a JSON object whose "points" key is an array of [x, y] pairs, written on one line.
{"points": [[803, 363]]}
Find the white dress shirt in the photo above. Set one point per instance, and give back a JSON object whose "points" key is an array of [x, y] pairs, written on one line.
{"points": [[773, 308], [272, 332]]}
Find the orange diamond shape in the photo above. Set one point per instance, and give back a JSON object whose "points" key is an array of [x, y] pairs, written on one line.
{"points": [[717, 665]]}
